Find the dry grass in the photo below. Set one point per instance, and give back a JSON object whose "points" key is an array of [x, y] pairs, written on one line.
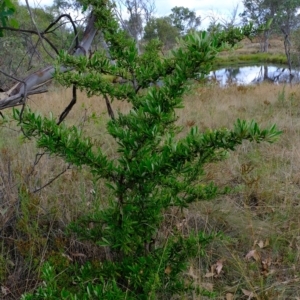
{"points": [[276, 46], [261, 213]]}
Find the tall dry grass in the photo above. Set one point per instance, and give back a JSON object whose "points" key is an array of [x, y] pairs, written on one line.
{"points": [[261, 214]]}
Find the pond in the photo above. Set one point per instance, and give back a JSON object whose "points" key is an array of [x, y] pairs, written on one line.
{"points": [[245, 75]]}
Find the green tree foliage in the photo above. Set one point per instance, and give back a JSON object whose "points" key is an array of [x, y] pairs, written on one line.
{"points": [[287, 19], [257, 11], [162, 29], [268, 15], [154, 167], [139, 12], [7, 9], [231, 35], [167, 29], [184, 19], [261, 14], [65, 5]]}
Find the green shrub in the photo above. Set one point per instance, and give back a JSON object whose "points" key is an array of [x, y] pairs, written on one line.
{"points": [[152, 170]]}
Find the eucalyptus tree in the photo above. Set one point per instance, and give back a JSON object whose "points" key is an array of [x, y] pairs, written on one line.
{"points": [[272, 15], [161, 28], [287, 19], [261, 14], [138, 13], [184, 19]]}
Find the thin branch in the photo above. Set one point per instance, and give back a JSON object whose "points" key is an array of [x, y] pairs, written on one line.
{"points": [[38, 157], [51, 180], [46, 31], [40, 34], [19, 30], [109, 108], [57, 27], [70, 106], [33, 21], [73, 25], [35, 51]]}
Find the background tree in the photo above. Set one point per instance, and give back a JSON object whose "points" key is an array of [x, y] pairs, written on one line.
{"points": [[139, 11], [272, 15], [168, 29], [134, 25], [287, 19], [64, 6], [162, 29], [184, 19], [218, 23], [261, 13]]}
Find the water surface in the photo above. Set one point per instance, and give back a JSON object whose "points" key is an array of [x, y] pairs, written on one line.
{"points": [[245, 75]]}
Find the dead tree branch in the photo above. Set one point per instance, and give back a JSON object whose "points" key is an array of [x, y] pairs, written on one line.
{"points": [[69, 107], [36, 80]]}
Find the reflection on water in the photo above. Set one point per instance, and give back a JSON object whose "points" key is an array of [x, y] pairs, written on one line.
{"points": [[254, 74]]}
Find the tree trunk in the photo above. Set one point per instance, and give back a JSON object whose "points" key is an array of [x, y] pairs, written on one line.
{"points": [[264, 41]]}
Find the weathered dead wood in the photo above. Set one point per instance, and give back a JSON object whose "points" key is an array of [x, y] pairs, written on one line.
{"points": [[33, 83]]}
